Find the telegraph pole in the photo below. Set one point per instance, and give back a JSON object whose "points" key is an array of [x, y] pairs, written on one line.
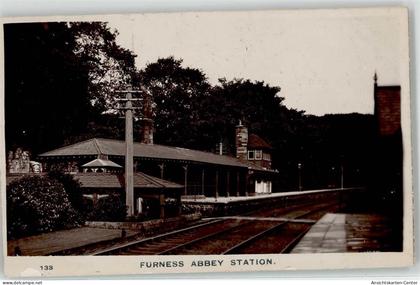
{"points": [[129, 171]]}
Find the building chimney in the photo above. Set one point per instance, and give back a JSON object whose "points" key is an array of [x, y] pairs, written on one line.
{"points": [[241, 141], [147, 121]]}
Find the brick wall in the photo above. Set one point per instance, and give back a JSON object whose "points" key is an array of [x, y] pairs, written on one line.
{"points": [[387, 109], [147, 227]]}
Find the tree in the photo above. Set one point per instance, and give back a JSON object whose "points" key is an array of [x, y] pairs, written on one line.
{"points": [[257, 104], [328, 143], [38, 204], [72, 188], [176, 92], [59, 78], [110, 67]]}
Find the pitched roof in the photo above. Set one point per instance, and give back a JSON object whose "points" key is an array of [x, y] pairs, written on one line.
{"points": [[108, 180], [98, 146], [101, 163], [255, 142], [113, 180]]}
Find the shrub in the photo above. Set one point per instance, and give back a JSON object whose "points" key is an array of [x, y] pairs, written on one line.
{"points": [[36, 205], [72, 188], [110, 208]]}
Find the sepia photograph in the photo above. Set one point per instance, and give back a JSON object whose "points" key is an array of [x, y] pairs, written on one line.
{"points": [[266, 138]]}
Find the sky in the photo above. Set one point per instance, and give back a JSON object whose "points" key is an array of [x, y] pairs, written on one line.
{"points": [[324, 61]]}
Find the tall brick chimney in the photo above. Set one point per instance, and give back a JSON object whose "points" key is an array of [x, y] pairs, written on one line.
{"points": [[387, 108], [146, 131], [241, 141]]}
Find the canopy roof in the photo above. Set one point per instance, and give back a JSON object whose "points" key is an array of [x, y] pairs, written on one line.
{"points": [[99, 146], [113, 180], [108, 180]]}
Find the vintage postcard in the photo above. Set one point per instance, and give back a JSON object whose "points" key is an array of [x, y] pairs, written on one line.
{"points": [[206, 142]]}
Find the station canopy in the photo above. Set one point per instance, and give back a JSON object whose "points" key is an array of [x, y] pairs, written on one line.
{"points": [[98, 146], [117, 180]]}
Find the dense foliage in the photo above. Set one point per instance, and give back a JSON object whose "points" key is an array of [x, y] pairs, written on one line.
{"points": [[177, 93], [36, 205], [111, 208], [59, 77], [72, 188]]}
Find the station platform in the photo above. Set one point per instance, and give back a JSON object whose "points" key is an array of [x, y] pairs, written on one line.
{"points": [[233, 199], [238, 205], [49, 243], [350, 233]]}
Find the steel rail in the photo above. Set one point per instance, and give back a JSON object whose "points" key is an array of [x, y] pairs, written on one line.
{"points": [[230, 229], [293, 242], [139, 242], [203, 238], [259, 235], [134, 244], [167, 251]]}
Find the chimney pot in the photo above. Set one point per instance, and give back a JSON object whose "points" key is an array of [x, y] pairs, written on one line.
{"points": [[241, 141], [147, 121]]}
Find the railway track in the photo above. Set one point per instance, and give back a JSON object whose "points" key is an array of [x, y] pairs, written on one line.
{"points": [[233, 240], [280, 238], [229, 235]]}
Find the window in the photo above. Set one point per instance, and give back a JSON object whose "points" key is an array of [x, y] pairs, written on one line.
{"points": [[254, 154], [267, 156]]}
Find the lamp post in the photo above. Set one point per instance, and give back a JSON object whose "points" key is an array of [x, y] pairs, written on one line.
{"points": [[300, 176], [333, 178]]}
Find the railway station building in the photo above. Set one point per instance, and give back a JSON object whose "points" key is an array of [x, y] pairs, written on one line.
{"points": [[171, 171]]}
